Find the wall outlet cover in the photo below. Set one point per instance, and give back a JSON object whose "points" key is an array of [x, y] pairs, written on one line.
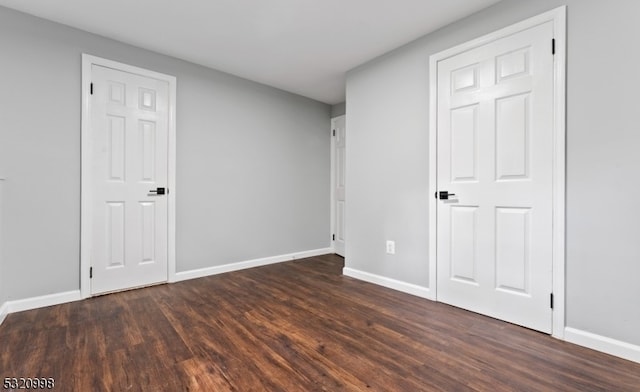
{"points": [[391, 247]]}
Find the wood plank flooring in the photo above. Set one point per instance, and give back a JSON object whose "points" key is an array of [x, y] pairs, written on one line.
{"points": [[295, 326]]}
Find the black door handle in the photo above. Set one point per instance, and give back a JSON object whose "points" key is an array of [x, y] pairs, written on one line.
{"points": [[157, 191], [444, 195]]}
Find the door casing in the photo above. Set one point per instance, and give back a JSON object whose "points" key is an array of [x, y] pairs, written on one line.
{"points": [[86, 212], [558, 17], [334, 182]]}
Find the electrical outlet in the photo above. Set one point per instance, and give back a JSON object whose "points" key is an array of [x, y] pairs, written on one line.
{"points": [[391, 247]]}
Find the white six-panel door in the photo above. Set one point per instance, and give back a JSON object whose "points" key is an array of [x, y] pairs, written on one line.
{"points": [[129, 132], [340, 143], [495, 153]]}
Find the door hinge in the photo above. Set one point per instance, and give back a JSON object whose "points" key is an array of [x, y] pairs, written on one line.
{"points": [[333, 237], [90, 272], [334, 132], [551, 300], [553, 46], [91, 88]]}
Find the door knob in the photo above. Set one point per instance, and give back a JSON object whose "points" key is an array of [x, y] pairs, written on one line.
{"points": [[444, 195], [157, 191]]}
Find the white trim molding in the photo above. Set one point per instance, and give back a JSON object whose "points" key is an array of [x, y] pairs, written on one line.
{"points": [[408, 288], [333, 178], [42, 301], [4, 308], [76, 295], [85, 204], [332, 193], [604, 344], [221, 269], [558, 17], [4, 311]]}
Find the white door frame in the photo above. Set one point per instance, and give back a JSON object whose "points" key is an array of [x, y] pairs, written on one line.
{"points": [[86, 210], [333, 180], [558, 17], [332, 191]]}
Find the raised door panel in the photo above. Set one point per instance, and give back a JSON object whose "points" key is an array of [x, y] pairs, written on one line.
{"points": [[464, 143], [465, 79], [147, 99], [147, 150], [514, 64], [513, 249], [148, 231], [340, 220], [116, 145], [115, 230], [463, 245], [513, 145]]}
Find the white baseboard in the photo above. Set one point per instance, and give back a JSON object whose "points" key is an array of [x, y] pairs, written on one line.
{"points": [[602, 343], [4, 311], [38, 302], [220, 269], [43, 301], [75, 295], [404, 287]]}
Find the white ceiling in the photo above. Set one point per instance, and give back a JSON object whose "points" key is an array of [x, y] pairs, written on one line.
{"points": [[301, 46]]}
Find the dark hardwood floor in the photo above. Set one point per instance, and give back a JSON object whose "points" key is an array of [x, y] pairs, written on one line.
{"points": [[295, 326]]}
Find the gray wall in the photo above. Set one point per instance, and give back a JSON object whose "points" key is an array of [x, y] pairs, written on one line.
{"points": [[338, 109], [387, 158], [253, 162]]}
